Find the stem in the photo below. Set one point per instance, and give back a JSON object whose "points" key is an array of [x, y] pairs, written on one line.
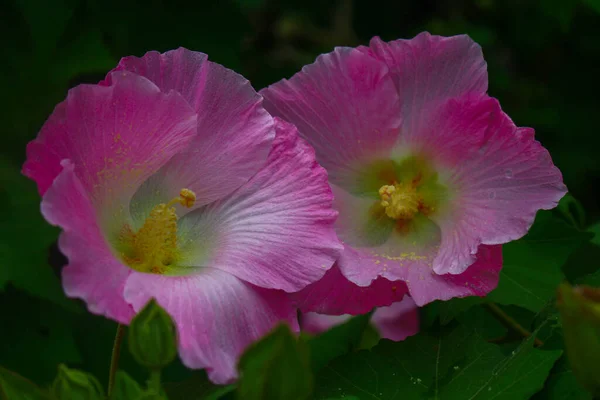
{"points": [[154, 384], [114, 361], [510, 322]]}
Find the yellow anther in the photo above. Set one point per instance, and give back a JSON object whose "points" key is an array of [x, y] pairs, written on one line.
{"points": [[153, 248], [186, 198], [400, 201]]}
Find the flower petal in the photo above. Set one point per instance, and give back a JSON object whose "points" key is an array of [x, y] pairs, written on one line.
{"points": [[430, 69], [93, 273], [424, 285], [501, 176], [345, 105], [115, 136], [276, 231], [234, 134], [395, 322], [336, 295], [398, 321], [217, 315]]}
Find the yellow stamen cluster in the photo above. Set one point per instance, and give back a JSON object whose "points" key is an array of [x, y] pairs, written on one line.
{"points": [[400, 201], [154, 246]]}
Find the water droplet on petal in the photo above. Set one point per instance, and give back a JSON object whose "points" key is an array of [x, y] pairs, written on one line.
{"points": [[508, 173]]}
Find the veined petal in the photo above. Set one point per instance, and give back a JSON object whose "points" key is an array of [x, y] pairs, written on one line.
{"points": [[234, 134], [276, 231], [499, 174], [116, 136], [428, 70], [217, 315], [345, 105], [424, 284], [93, 273], [336, 295]]}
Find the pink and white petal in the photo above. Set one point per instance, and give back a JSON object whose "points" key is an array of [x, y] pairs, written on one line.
{"points": [[276, 231], [234, 136], [335, 295], [499, 182], [316, 323], [116, 136], [345, 105], [430, 69], [415, 269], [217, 315], [397, 321], [93, 273]]}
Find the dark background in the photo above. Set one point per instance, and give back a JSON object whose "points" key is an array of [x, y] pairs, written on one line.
{"points": [[543, 62]]}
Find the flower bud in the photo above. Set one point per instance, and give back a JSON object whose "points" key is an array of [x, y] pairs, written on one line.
{"points": [[71, 384], [152, 337], [579, 308]]}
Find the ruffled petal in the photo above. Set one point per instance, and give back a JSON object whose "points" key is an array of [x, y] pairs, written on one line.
{"points": [[217, 315], [499, 174], [93, 273], [430, 69], [115, 136], [345, 105], [234, 133], [398, 321], [276, 231], [424, 285], [336, 295]]}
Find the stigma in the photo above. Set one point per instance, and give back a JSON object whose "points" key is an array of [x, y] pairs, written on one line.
{"points": [[399, 201], [153, 248]]}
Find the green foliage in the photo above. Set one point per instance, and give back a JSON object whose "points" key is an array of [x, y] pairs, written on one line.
{"points": [[532, 265], [125, 387], [152, 337], [337, 341], [456, 364], [15, 387], [277, 367]]}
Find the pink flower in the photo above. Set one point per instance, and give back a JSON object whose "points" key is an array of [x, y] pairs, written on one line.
{"points": [[430, 177], [395, 322], [171, 181]]}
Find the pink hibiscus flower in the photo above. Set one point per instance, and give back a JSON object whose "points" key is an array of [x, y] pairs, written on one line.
{"points": [[170, 181], [395, 322], [430, 177]]}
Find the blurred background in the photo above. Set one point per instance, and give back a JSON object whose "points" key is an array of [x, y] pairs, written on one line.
{"points": [[543, 61]]}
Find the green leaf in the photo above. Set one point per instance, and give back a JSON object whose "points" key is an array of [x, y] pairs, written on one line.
{"points": [[448, 310], [277, 367], [126, 388], [152, 337], [458, 364], [532, 265], [196, 387], [14, 387], [562, 384], [337, 341]]}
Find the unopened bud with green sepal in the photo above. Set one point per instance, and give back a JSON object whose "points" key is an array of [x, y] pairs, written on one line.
{"points": [[152, 337], [580, 312], [71, 384]]}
